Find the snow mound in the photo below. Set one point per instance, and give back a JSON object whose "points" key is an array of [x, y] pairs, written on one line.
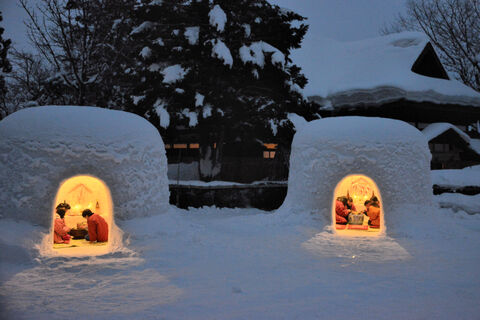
{"points": [[42, 147], [392, 153], [459, 202], [457, 178]]}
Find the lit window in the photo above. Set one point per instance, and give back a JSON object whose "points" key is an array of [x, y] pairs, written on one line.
{"points": [[268, 154], [180, 146], [194, 145]]}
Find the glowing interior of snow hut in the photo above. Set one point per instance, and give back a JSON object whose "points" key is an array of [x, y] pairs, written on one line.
{"points": [[357, 206], [80, 193]]}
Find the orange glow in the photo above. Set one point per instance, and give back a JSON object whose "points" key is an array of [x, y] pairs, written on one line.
{"points": [[270, 145], [168, 146], [83, 192], [180, 146], [194, 145], [268, 154], [360, 188]]}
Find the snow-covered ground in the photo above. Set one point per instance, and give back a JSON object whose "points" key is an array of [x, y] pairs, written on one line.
{"points": [[211, 263], [457, 178]]}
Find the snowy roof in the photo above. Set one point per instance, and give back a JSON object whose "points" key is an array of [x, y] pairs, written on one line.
{"points": [[435, 129], [378, 70]]}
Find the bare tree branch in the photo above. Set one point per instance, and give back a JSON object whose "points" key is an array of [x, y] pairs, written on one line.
{"points": [[453, 26]]}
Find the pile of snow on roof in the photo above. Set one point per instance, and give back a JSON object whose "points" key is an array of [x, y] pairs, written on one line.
{"points": [[380, 67]]}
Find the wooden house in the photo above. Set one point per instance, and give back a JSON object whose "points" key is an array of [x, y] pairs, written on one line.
{"points": [[451, 148], [397, 76]]}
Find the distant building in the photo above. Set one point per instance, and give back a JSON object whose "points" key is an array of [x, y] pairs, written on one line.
{"points": [[451, 148]]}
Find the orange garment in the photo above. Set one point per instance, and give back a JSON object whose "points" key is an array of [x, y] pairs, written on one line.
{"points": [[374, 214], [60, 230], [97, 228]]}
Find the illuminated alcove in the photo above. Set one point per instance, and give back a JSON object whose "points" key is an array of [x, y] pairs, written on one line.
{"points": [[83, 192], [360, 188]]}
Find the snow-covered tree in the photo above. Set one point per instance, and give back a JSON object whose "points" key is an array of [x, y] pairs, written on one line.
{"points": [[221, 66], [5, 67]]}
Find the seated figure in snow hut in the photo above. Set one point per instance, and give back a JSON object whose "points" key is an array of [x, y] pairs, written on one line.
{"points": [[60, 229], [372, 208], [343, 207], [97, 227]]}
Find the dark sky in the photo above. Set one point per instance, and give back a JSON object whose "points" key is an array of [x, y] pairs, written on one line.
{"points": [[344, 20], [336, 19]]}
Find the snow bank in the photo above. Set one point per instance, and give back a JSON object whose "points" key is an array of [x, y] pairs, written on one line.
{"points": [[457, 178], [459, 202], [378, 70], [392, 153], [42, 147]]}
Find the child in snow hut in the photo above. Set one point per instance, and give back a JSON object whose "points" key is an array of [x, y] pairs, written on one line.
{"points": [[343, 207], [97, 227], [60, 229], [373, 212]]}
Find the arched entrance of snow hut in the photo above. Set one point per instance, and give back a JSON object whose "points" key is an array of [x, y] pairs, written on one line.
{"points": [[83, 192], [359, 188]]}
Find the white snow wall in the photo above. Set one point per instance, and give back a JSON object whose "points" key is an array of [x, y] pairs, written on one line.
{"points": [[43, 146], [391, 152]]}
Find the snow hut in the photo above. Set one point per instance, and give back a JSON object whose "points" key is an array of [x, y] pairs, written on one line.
{"points": [[359, 157], [111, 162]]}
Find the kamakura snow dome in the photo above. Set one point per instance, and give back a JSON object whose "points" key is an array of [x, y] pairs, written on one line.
{"points": [[110, 161], [361, 156]]}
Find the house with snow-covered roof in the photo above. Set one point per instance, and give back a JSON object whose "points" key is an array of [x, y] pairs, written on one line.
{"points": [[396, 76], [451, 148]]}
